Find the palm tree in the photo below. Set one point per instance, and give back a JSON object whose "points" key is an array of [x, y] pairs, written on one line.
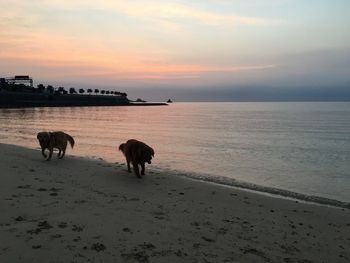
{"points": [[81, 91], [72, 91], [62, 90], [107, 92], [97, 91], [103, 91], [89, 91]]}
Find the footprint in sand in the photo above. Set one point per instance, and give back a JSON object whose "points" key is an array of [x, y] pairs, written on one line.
{"points": [[77, 228], [44, 225], [62, 225], [19, 218], [126, 229], [98, 247], [208, 239], [255, 252], [36, 246], [27, 186], [147, 245], [159, 215], [34, 231]]}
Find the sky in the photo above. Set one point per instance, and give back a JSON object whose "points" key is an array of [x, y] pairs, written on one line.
{"points": [[186, 50]]}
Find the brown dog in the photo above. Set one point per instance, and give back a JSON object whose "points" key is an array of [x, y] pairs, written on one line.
{"points": [[58, 140], [138, 153]]}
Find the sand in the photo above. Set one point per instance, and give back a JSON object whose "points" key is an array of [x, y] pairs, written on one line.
{"points": [[83, 210]]}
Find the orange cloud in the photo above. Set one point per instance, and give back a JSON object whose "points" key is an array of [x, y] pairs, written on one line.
{"points": [[33, 45]]}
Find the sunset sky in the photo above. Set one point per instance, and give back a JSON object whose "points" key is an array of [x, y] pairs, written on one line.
{"points": [[149, 47]]}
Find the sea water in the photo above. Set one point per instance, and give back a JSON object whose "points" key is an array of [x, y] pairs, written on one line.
{"points": [[301, 147]]}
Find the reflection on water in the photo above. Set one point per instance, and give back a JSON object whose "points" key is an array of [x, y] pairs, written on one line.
{"points": [[303, 147]]}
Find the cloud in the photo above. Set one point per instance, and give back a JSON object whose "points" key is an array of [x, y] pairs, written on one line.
{"points": [[36, 37], [64, 64], [162, 10], [168, 11]]}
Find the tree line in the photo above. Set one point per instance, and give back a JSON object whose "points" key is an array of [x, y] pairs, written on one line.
{"points": [[57, 91]]}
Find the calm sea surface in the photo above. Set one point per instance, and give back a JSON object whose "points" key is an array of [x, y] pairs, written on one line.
{"points": [[300, 147]]}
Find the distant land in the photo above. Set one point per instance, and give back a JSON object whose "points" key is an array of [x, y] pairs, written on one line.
{"points": [[244, 93], [18, 91]]}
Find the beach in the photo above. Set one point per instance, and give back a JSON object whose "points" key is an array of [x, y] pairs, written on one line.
{"points": [[90, 210]]}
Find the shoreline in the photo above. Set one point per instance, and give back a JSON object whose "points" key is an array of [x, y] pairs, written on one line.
{"points": [[91, 210], [237, 184], [271, 191], [33, 105], [31, 100]]}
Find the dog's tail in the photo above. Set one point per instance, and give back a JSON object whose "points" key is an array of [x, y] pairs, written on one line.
{"points": [[121, 147], [71, 140]]}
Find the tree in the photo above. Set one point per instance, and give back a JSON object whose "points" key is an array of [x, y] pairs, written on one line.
{"points": [[103, 91], [107, 92], [62, 90], [89, 91], [97, 91], [72, 91], [81, 91], [41, 88], [50, 89]]}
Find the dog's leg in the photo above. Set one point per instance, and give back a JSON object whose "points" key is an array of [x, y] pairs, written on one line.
{"points": [[129, 169], [43, 152], [142, 168], [59, 153], [136, 169], [63, 153], [50, 154]]}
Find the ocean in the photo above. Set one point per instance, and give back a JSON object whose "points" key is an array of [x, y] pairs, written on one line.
{"points": [[287, 148]]}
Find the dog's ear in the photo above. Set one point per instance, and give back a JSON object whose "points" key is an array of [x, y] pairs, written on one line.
{"points": [[122, 147]]}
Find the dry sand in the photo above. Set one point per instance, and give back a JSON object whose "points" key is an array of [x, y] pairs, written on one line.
{"points": [[81, 210]]}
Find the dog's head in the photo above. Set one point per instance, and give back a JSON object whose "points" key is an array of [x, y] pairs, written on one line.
{"points": [[122, 147], [147, 155], [43, 138]]}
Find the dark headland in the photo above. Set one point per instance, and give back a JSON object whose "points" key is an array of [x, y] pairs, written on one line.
{"points": [[14, 93]]}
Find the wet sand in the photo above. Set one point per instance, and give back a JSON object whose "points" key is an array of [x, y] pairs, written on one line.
{"points": [[83, 210]]}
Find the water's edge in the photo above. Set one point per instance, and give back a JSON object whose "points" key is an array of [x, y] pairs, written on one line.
{"points": [[230, 182]]}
